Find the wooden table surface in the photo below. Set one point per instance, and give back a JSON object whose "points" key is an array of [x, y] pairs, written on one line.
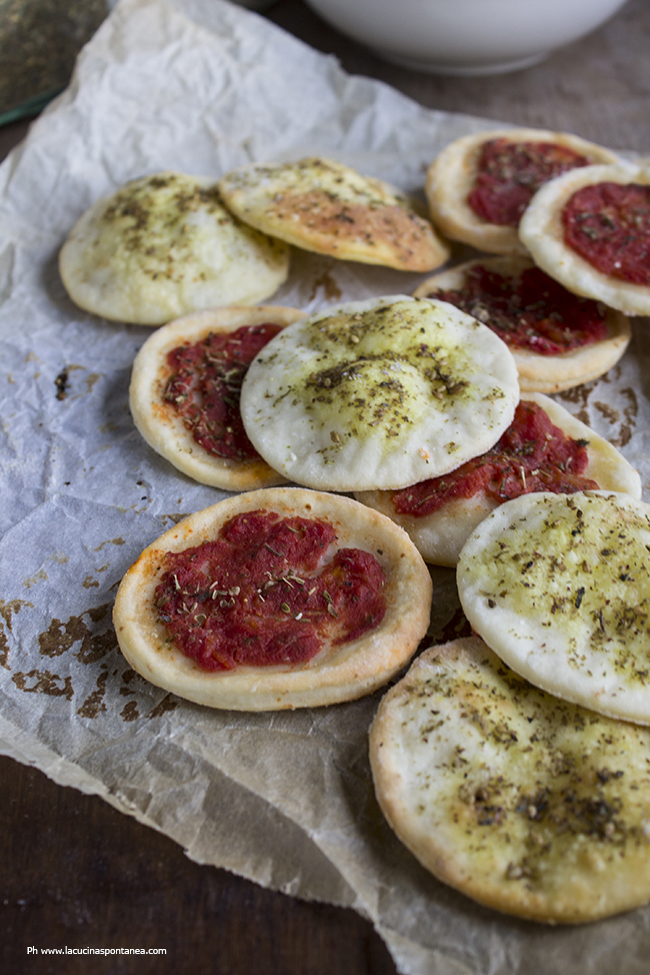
{"points": [[75, 872]]}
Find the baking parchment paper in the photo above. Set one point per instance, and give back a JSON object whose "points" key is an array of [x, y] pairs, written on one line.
{"points": [[285, 799]]}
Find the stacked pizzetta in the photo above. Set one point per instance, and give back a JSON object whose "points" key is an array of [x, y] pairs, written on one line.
{"points": [[378, 394], [590, 229], [324, 206], [524, 802], [581, 212], [545, 448], [185, 388], [512, 764], [479, 186], [558, 339], [559, 587], [495, 191], [163, 246]]}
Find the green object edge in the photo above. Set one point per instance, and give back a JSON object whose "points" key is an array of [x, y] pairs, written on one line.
{"points": [[32, 106]]}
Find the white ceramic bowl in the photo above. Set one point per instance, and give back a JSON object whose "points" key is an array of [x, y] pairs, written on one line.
{"points": [[465, 37]]}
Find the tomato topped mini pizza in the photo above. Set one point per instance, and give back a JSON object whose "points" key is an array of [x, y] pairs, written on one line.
{"points": [[557, 338], [163, 246], [590, 230], [479, 185], [544, 449], [524, 802], [279, 598], [185, 387], [324, 206]]}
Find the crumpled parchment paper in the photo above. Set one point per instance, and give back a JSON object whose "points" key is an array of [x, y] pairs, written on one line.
{"points": [[204, 86]]}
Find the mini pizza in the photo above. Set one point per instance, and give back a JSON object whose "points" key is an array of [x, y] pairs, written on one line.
{"points": [[543, 449], [324, 206], [185, 388], [525, 803], [590, 230], [163, 246], [558, 586], [280, 598], [479, 185], [378, 394], [558, 339]]}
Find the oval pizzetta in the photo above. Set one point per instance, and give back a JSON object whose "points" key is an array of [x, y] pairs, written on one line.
{"points": [[378, 394], [452, 176], [541, 231], [440, 535], [164, 428], [543, 373], [163, 246], [321, 205], [558, 586], [343, 669], [525, 803]]}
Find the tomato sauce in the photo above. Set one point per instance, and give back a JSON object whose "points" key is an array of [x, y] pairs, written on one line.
{"points": [[508, 173], [260, 594], [205, 385], [532, 455], [608, 224], [531, 311]]}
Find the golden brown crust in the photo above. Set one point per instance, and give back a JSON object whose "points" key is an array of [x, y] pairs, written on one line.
{"points": [[163, 428], [337, 673], [441, 535], [526, 804], [323, 206], [542, 233], [452, 175], [544, 373]]}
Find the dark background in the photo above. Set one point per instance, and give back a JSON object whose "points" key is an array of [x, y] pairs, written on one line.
{"points": [[74, 871]]}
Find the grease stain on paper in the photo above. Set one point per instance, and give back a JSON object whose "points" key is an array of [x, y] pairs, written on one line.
{"points": [[7, 610], [43, 682]]}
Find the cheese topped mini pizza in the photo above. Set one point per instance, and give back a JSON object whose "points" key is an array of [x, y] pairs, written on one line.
{"points": [[558, 339], [378, 394], [324, 206], [559, 587], [543, 449], [523, 802], [590, 230], [479, 185], [185, 388], [280, 598], [164, 246]]}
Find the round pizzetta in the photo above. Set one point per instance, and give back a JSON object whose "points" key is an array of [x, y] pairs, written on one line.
{"points": [[440, 534], [525, 803], [546, 323], [280, 598], [184, 393], [520, 160], [609, 208], [378, 394], [163, 246], [558, 586], [324, 206]]}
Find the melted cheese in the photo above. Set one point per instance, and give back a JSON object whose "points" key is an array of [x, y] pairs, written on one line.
{"points": [[379, 393], [164, 246], [324, 206], [559, 587], [526, 803]]}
